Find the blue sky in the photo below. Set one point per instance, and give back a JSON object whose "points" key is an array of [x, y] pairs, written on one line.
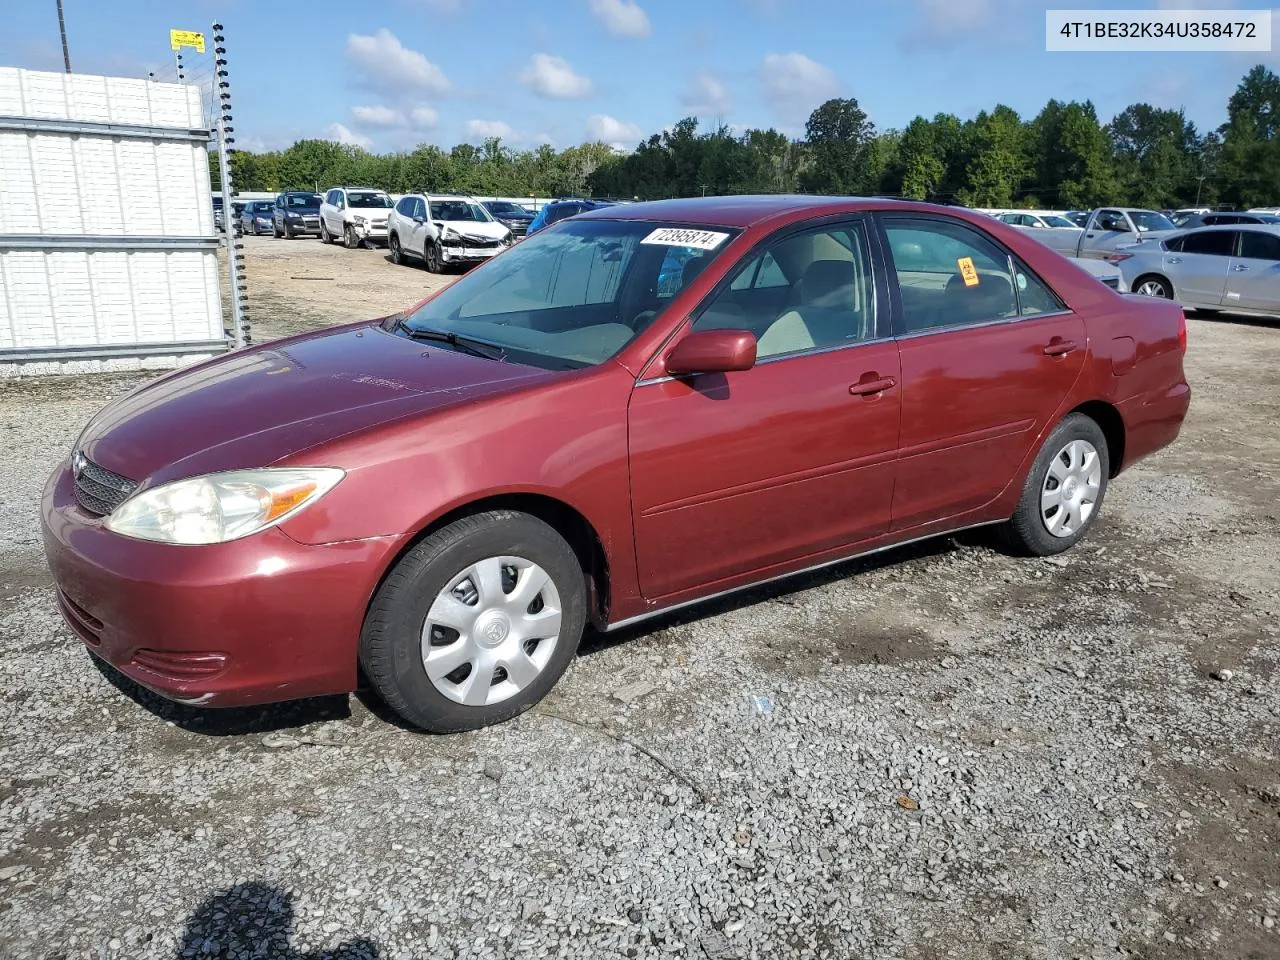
{"points": [[392, 73]]}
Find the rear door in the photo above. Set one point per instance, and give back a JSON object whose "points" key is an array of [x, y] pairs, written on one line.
{"points": [[1199, 267], [988, 352], [1253, 278]]}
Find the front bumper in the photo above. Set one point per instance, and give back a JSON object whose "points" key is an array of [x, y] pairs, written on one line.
{"points": [[257, 620], [463, 254], [373, 232], [310, 227]]}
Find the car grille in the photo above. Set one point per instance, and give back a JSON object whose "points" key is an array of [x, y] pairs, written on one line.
{"points": [[518, 228], [480, 242], [99, 491]]}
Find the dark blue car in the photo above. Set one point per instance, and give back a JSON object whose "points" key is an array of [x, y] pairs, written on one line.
{"points": [[558, 210]]}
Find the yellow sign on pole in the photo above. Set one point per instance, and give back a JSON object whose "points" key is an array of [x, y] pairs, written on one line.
{"points": [[186, 38]]}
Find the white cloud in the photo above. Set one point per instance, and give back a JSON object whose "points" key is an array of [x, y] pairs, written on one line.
{"points": [[337, 131], [386, 62], [377, 116], [621, 17], [423, 116], [794, 84], [484, 129], [707, 97], [553, 77], [617, 133]]}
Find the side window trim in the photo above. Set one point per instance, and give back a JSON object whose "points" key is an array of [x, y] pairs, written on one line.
{"points": [[889, 271]]}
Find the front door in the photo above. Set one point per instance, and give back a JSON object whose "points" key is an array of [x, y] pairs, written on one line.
{"points": [[988, 356], [742, 472], [1253, 277]]}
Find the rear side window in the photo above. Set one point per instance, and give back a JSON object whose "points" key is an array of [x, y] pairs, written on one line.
{"points": [[1217, 243], [1255, 245], [949, 275]]}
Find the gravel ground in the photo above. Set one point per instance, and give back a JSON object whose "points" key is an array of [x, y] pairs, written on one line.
{"points": [[945, 752]]}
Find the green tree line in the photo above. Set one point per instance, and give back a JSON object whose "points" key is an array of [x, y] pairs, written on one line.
{"points": [[1063, 157]]}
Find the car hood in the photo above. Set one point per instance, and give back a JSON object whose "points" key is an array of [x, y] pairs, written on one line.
{"points": [[474, 228], [254, 407]]}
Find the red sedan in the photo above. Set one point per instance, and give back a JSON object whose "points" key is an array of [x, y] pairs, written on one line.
{"points": [[634, 410]]}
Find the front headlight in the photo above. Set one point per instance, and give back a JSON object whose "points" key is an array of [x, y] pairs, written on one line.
{"points": [[360, 220], [295, 216], [506, 239], [451, 234], [221, 506]]}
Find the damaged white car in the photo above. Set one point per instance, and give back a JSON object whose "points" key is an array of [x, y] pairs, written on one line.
{"points": [[444, 231]]}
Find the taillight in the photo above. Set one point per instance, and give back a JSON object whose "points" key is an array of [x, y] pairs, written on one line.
{"points": [[1117, 257], [1182, 331]]}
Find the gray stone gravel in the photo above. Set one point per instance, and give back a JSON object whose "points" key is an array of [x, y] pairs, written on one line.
{"points": [[966, 755]]}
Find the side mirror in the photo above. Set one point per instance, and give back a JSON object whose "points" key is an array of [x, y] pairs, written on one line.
{"points": [[419, 219], [713, 351]]}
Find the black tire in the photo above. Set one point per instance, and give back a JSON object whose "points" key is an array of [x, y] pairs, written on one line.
{"points": [[288, 232], [276, 232], [349, 238], [325, 235], [1027, 531], [1160, 286], [431, 257], [391, 640], [393, 247]]}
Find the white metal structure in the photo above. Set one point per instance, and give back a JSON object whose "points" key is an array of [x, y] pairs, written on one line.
{"points": [[108, 258]]}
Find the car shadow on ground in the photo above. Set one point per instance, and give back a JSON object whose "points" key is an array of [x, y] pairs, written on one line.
{"points": [[595, 642], [1236, 319], [256, 920], [229, 721]]}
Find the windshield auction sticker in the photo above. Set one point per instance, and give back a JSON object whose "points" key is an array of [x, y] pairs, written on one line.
{"points": [[1136, 30], [676, 237]]}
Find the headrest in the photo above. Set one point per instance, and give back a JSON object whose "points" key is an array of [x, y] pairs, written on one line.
{"points": [[691, 270], [828, 283]]}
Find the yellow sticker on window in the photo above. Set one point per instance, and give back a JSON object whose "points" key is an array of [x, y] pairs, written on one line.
{"points": [[968, 271]]}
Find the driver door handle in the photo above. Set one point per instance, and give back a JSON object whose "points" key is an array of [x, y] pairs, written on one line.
{"points": [[1175, 259], [1058, 347], [868, 388], [1240, 267]]}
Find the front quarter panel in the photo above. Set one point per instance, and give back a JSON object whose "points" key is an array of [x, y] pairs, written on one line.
{"points": [[565, 439]]}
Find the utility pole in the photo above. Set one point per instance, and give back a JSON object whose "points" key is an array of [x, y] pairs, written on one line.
{"points": [[1199, 184], [62, 29]]}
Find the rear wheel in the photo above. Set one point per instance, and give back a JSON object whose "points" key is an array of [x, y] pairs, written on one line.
{"points": [[476, 623], [1153, 286], [1064, 489]]}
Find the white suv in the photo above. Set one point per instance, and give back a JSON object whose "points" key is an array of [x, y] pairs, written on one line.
{"points": [[354, 216], [444, 230]]}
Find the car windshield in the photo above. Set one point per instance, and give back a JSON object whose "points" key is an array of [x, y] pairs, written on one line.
{"points": [[1058, 222], [1147, 220], [260, 206], [459, 210], [506, 207], [303, 200], [368, 200], [575, 295]]}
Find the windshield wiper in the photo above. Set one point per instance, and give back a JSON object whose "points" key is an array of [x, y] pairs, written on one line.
{"points": [[477, 348]]}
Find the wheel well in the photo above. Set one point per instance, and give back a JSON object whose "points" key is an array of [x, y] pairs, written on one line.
{"points": [[1109, 420], [1153, 276], [564, 519]]}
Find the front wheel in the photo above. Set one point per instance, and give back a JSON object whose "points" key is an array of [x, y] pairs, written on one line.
{"points": [[1153, 286], [432, 257], [1063, 491], [397, 255], [351, 241], [476, 623], [325, 236]]}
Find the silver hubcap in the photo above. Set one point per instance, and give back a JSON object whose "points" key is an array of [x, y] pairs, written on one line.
{"points": [[1152, 288], [1071, 488], [491, 631]]}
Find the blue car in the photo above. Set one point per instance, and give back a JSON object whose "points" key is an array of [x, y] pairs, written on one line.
{"points": [[558, 210]]}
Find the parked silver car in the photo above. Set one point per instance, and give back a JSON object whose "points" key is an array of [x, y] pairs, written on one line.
{"points": [[1210, 268]]}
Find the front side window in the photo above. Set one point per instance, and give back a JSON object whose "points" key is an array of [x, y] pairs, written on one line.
{"points": [[825, 298], [1148, 220], [1215, 243], [570, 297], [949, 275], [1112, 220], [1256, 245]]}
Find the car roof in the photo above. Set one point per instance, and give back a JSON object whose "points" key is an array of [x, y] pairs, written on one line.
{"points": [[1253, 227], [747, 210]]}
